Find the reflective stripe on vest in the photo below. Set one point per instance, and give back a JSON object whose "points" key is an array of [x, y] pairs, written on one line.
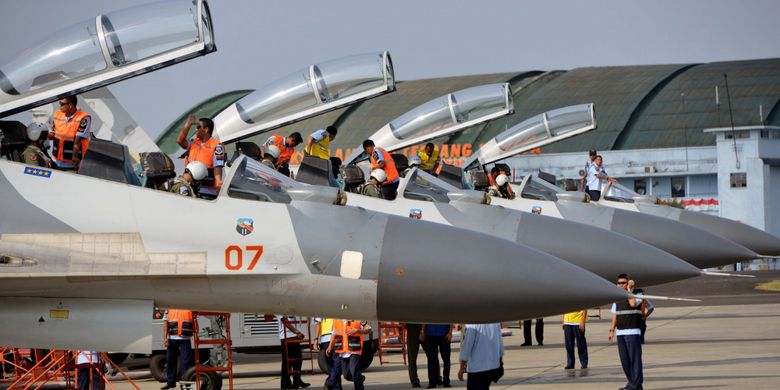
{"points": [[203, 152], [392, 173], [180, 323], [354, 344], [627, 316], [65, 135], [286, 153], [321, 149]]}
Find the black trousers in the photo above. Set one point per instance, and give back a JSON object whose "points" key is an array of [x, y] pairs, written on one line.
{"points": [[351, 369], [178, 349], [630, 351], [594, 195], [412, 348], [390, 190], [539, 330], [433, 346], [83, 379], [479, 380], [572, 334], [293, 351]]}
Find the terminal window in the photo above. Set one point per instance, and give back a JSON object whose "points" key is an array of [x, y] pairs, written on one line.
{"points": [[738, 180]]}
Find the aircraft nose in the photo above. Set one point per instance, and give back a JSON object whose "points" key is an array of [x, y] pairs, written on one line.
{"points": [[696, 246], [756, 240], [603, 252], [440, 274]]}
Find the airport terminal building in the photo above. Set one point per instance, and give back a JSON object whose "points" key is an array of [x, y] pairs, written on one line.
{"points": [[677, 131]]}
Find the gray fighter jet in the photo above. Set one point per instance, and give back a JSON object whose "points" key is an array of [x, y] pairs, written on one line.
{"points": [[433, 200], [85, 256], [690, 243]]}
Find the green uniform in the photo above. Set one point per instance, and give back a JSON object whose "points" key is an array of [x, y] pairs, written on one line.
{"points": [[34, 155], [371, 189], [182, 187]]}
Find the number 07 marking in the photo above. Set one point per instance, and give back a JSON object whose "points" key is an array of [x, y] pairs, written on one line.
{"points": [[234, 257]]}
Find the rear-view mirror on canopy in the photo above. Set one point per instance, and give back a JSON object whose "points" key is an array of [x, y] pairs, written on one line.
{"points": [[444, 115], [106, 49], [540, 130], [311, 91]]}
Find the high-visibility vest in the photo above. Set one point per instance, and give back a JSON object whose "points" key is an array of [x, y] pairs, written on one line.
{"points": [[286, 153], [427, 163], [326, 326], [354, 343], [204, 152], [65, 135], [321, 148], [392, 173], [180, 323]]}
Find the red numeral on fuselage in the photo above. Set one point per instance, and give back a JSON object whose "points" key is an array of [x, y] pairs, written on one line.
{"points": [[234, 257]]}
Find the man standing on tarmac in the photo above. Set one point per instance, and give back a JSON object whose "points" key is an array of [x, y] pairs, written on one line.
{"points": [[292, 357], [437, 339], [324, 337], [347, 341], [626, 325], [206, 149], [70, 135], [178, 329], [574, 331], [381, 159]]}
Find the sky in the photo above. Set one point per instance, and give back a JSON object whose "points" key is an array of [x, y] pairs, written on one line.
{"points": [[263, 40]]}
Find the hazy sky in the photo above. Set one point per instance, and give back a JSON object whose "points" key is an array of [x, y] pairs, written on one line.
{"points": [[260, 41]]}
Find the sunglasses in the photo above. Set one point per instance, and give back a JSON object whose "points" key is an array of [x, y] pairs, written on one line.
{"points": [[63, 104], [620, 283]]}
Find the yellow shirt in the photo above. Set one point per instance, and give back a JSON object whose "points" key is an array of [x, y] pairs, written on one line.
{"points": [[320, 148], [428, 162], [575, 317]]}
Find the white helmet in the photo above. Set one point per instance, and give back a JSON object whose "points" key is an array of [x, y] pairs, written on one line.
{"points": [[379, 175], [198, 170], [415, 161], [273, 150], [501, 180], [34, 131]]}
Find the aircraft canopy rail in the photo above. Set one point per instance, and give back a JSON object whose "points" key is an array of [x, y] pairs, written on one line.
{"points": [[255, 181], [444, 115], [536, 188], [311, 91], [104, 50], [543, 129], [423, 186]]}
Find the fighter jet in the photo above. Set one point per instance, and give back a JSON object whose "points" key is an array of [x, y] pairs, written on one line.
{"points": [[85, 256], [757, 240], [690, 243], [429, 198]]}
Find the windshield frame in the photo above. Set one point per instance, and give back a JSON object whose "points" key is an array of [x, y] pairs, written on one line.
{"points": [[267, 193], [439, 195]]}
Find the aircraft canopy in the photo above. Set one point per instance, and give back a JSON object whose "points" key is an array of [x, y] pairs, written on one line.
{"points": [[311, 91], [104, 50]]}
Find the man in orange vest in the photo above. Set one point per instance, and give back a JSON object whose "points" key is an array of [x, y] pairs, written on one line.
{"points": [[287, 147], [178, 329], [206, 149], [381, 159], [347, 341], [71, 131]]}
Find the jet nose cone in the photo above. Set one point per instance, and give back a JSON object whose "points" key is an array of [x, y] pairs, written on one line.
{"points": [[754, 239], [440, 274], [603, 252], [694, 245]]}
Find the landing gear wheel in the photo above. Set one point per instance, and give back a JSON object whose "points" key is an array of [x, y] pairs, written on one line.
{"points": [[159, 368], [369, 349], [208, 380], [322, 361]]}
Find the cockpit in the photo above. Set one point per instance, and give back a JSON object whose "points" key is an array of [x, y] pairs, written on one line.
{"points": [[538, 189], [255, 181], [618, 193], [104, 50], [421, 185]]}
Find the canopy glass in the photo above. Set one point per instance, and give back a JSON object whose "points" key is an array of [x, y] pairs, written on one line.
{"points": [[618, 193], [451, 110], [318, 84], [107, 43], [256, 181], [546, 125], [423, 186]]}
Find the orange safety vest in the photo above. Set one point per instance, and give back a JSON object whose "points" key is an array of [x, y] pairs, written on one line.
{"points": [[204, 152], [65, 135], [286, 154], [180, 323], [354, 344], [390, 170]]}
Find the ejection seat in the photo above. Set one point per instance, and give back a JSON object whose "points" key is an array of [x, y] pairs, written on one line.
{"points": [[110, 161]]}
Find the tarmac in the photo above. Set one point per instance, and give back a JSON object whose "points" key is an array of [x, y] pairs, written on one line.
{"points": [[709, 345]]}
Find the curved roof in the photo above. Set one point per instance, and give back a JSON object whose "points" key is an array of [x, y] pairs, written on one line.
{"points": [[637, 107]]}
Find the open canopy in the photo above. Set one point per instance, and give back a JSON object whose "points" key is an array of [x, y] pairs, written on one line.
{"points": [[311, 91], [104, 50], [543, 129]]}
